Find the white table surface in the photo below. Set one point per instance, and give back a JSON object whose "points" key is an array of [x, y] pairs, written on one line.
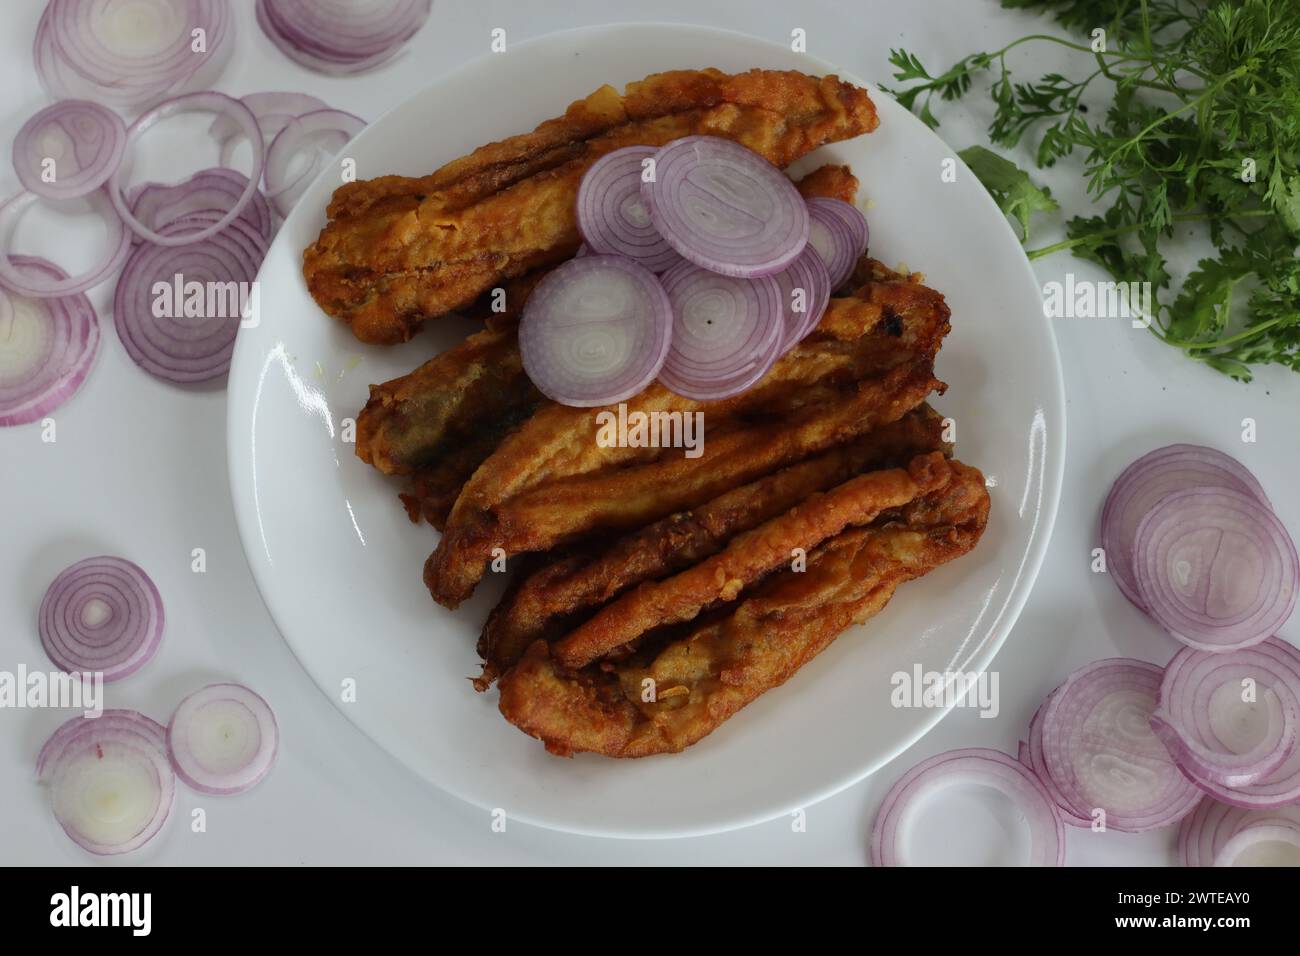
{"points": [[139, 469]]}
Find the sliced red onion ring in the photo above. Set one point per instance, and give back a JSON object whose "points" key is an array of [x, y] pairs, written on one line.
{"points": [[1208, 728], [79, 142], [727, 331], [838, 231], [1205, 833], [319, 136], [47, 347], [44, 284], [1216, 568], [1250, 839], [1033, 759], [978, 767], [1100, 752], [340, 37], [102, 615], [216, 190], [1141, 486], [218, 103], [223, 739], [130, 53], [273, 112], [111, 785], [804, 283], [612, 215], [726, 208], [188, 348], [595, 331]]}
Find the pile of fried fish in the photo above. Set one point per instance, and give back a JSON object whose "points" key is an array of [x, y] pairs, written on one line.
{"points": [[653, 594]]}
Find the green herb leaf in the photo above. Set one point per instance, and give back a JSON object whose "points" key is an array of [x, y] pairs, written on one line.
{"points": [[1015, 193]]}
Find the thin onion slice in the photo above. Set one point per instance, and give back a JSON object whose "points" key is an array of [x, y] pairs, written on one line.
{"points": [[216, 190], [595, 331], [111, 784], [725, 208], [223, 739], [1250, 838], [179, 347], [209, 100], [978, 767], [47, 347], [1033, 759], [69, 149], [1203, 834], [273, 110], [805, 294], [43, 284], [1230, 718], [727, 331], [1141, 486], [1100, 752], [341, 37], [319, 136], [838, 231], [102, 615], [611, 212], [1216, 568]]}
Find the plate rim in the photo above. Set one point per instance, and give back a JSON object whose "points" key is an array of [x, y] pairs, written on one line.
{"points": [[244, 505]]}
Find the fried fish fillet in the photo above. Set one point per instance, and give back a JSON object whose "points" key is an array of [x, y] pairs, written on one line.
{"points": [[400, 252], [701, 680], [749, 557], [542, 602], [410, 423]]}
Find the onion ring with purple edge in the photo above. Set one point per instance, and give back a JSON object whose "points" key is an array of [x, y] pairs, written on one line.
{"points": [[727, 331], [174, 347], [595, 331], [47, 348], [725, 208], [1204, 833], [1216, 568], [838, 231], [1249, 839], [611, 212], [1033, 759], [157, 205], [223, 739], [338, 38], [1101, 754], [806, 283], [974, 766], [111, 784], [129, 53], [1230, 718], [1141, 486], [42, 284], [102, 615], [329, 130], [78, 143], [209, 100], [273, 110]]}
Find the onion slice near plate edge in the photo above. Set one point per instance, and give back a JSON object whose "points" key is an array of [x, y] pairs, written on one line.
{"points": [[47, 347], [325, 132], [975, 766], [595, 331], [223, 739]]}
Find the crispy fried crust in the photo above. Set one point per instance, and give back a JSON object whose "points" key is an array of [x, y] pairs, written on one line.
{"points": [[540, 603], [830, 182], [749, 557], [701, 680], [400, 251]]}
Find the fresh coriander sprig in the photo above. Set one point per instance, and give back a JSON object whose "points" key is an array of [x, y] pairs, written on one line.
{"points": [[1203, 127]]}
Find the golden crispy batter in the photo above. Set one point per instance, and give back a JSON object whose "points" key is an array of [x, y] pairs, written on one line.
{"points": [[749, 557], [541, 603], [543, 513], [390, 263], [410, 424], [830, 182], [729, 660]]}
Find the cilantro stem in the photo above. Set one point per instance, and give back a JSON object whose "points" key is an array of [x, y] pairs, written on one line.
{"points": [[1135, 227]]}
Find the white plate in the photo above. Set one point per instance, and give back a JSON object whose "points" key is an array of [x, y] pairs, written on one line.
{"points": [[339, 565]]}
